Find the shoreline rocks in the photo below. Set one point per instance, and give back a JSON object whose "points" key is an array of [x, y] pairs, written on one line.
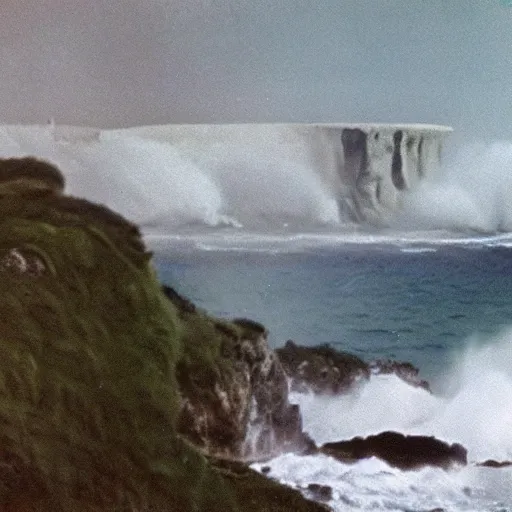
{"points": [[491, 463], [399, 451], [321, 369], [325, 370], [234, 392], [404, 370]]}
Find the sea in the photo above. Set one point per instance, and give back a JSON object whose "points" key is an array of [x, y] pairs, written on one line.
{"points": [[259, 237]]}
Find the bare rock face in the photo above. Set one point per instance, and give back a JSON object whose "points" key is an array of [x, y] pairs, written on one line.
{"points": [[403, 452], [319, 492], [321, 369], [325, 370], [491, 463], [234, 391], [406, 371]]}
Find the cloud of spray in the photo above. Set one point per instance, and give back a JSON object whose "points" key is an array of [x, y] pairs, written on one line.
{"points": [[472, 193], [475, 411], [258, 185]]}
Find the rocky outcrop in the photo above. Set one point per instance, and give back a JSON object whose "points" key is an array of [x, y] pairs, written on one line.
{"points": [[319, 492], [404, 370], [324, 370], [321, 369], [234, 392], [91, 351], [403, 452]]}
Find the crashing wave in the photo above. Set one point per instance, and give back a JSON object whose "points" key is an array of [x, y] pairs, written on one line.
{"points": [[255, 176]]}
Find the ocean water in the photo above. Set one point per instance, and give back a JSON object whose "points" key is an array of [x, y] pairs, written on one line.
{"points": [[446, 307], [248, 227], [422, 304]]}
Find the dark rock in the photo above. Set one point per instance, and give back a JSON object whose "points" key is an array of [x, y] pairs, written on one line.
{"points": [[404, 452], [321, 369], [404, 370], [325, 370], [319, 492], [266, 469], [495, 464], [234, 390]]}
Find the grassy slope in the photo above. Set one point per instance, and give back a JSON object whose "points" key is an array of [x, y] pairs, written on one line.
{"points": [[88, 394]]}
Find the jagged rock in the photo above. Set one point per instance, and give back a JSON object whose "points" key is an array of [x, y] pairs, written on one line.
{"points": [[321, 369], [234, 391], [325, 370], [90, 405], [495, 464], [404, 452], [404, 370]]}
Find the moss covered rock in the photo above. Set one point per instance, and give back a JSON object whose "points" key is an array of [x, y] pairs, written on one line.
{"points": [[89, 351], [233, 388]]}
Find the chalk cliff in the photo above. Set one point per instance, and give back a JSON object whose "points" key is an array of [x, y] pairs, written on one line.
{"points": [[369, 167]]}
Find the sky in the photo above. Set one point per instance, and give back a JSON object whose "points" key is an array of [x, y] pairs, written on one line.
{"points": [[115, 63]]}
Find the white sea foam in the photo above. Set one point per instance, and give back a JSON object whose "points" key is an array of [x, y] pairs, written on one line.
{"points": [[473, 192], [263, 185], [474, 411], [417, 250]]}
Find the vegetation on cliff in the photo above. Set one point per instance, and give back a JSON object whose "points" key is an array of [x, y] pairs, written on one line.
{"points": [[90, 349]]}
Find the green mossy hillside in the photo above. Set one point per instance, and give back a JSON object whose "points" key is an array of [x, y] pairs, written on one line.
{"points": [[89, 348]]}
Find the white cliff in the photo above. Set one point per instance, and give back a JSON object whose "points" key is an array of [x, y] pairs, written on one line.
{"points": [[369, 167], [260, 176]]}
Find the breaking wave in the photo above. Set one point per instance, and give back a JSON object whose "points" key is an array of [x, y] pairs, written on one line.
{"points": [[474, 410], [473, 192], [256, 185]]}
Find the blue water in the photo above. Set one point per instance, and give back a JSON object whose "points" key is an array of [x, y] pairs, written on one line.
{"points": [[374, 301]]}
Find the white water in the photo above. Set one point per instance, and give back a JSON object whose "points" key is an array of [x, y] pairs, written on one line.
{"points": [[260, 186], [162, 188], [473, 192], [475, 410]]}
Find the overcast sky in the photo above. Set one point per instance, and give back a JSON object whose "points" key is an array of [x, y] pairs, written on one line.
{"points": [[122, 62]]}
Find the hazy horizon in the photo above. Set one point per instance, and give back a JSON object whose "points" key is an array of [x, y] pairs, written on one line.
{"points": [[114, 63]]}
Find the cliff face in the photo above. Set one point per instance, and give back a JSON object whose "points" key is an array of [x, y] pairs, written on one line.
{"points": [[367, 167], [381, 163], [234, 391], [91, 352]]}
